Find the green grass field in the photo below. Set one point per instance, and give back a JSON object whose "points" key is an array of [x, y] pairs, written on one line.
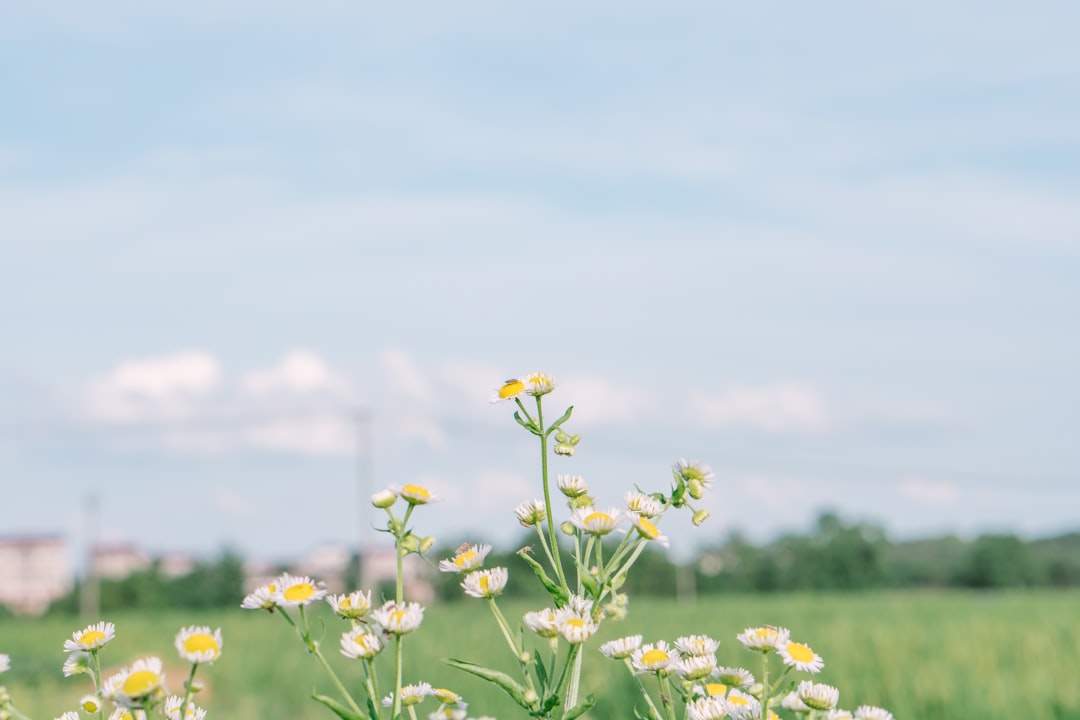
{"points": [[925, 656]]}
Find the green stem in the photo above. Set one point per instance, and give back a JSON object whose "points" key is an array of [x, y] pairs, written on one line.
{"points": [[547, 496], [97, 684], [313, 648], [505, 627], [665, 696], [372, 683], [412, 712], [396, 711], [187, 689], [764, 684], [641, 686], [544, 544], [571, 658], [574, 685], [11, 709]]}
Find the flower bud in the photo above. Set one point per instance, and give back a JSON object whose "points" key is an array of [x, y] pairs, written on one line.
{"points": [[695, 488], [567, 528], [409, 543], [531, 698], [615, 611], [426, 544], [700, 517], [575, 439], [584, 501], [196, 686], [561, 437], [564, 449], [525, 657], [384, 498]]}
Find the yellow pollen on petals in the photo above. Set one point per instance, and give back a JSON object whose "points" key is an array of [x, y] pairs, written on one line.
{"points": [[511, 388], [654, 657], [200, 642], [597, 517], [576, 622], [650, 531], [299, 592], [90, 637], [737, 700], [462, 559], [800, 653], [415, 491], [398, 616], [484, 584], [140, 683], [715, 688]]}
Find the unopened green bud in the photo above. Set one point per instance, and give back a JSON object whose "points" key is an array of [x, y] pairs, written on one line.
{"points": [[394, 525], [615, 611], [384, 498], [700, 517], [567, 528], [564, 449], [409, 543], [5, 696], [525, 657], [426, 544], [196, 686], [617, 581], [695, 488], [531, 698], [561, 437], [585, 501], [575, 439]]}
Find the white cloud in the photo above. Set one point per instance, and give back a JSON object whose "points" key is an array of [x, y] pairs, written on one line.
{"points": [[170, 387], [403, 377], [786, 408], [299, 372], [930, 492], [598, 401]]}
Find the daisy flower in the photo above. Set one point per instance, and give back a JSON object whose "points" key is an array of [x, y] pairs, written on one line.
{"points": [[801, 657], [410, 694], [261, 598], [648, 530], [692, 470], [468, 557], [191, 712], [572, 486], [91, 637], [653, 657], [576, 627], [124, 714], [871, 712], [596, 522], [485, 583], [765, 638], [5, 662], [621, 648], [538, 383], [416, 494], [448, 697], [839, 715], [69, 715], [509, 390], [298, 590], [384, 498], [360, 643], [144, 678], [742, 705], [90, 704], [818, 696], [708, 708], [713, 689], [735, 677], [449, 712], [644, 505], [695, 667], [696, 645], [531, 513], [352, 606], [793, 702], [399, 619], [542, 622], [199, 644]]}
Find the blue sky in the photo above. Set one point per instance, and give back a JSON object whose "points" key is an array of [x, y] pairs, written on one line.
{"points": [[832, 250]]}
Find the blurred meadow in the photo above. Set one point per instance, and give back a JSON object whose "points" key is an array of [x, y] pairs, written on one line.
{"points": [[924, 655]]}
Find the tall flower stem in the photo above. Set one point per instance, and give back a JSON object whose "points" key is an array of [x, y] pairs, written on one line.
{"points": [[188, 689], [641, 686], [665, 696], [313, 648], [97, 682], [547, 494], [764, 684]]}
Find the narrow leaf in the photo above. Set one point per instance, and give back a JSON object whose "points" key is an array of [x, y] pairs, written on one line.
{"points": [[565, 416], [513, 688], [580, 708], [527, 424], [556, 592], [340, 710]]}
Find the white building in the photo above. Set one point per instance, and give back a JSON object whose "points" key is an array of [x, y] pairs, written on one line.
{"points": [[34, 571]]}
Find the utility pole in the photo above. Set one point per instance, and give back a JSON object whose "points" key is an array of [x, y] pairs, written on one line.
{"points": [[90, 590]]}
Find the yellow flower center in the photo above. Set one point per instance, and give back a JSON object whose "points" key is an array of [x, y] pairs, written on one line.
{"points": [[715, 688], [576, 623], [800, 653], [200, 642], [654, 657], [597, 518], [91, 638], [511, 388], [345, 603], [140, 682], [765, 635], [415, 492], [299, 592], [90, 705], [485, 584], [650, 531], [738, 700], [397, 617], [447, 696], [465, 558]]}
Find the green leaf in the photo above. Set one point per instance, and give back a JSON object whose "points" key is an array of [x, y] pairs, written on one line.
{"points": [[581, 708], [565, 416], [541, 672], [556, 592], [512, 688], [527, 424], [549, 703], [340, 710]]}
